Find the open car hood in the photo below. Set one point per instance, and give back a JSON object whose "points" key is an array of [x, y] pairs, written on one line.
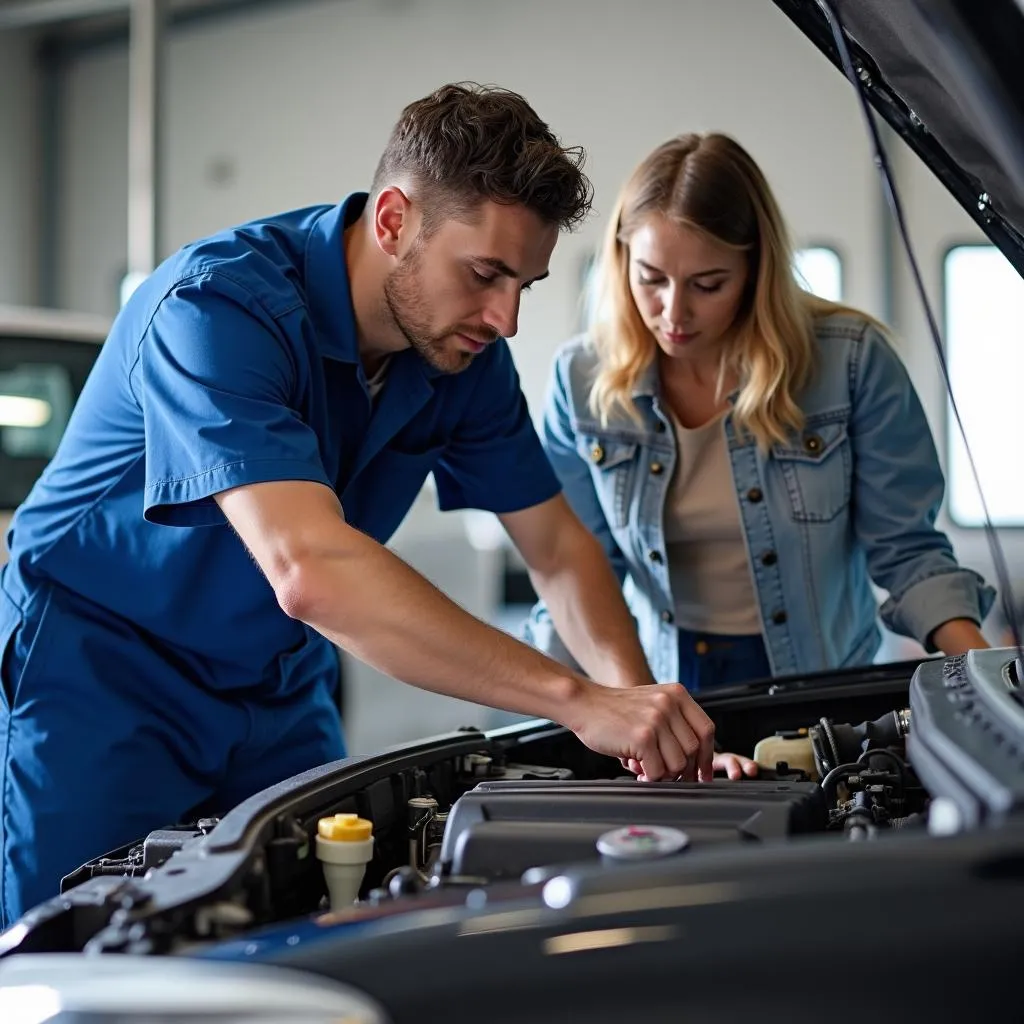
{"points": [[947, 76]]}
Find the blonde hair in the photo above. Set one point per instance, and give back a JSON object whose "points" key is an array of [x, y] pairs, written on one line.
{"points": [[709, 182]]}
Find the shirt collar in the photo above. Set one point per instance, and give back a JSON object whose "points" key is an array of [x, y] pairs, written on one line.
{"points": [[327, 286], [647, 384]]}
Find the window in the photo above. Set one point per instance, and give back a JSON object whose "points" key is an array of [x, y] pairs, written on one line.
{"points": [[985, 354], [40, 379], [820, 270]]}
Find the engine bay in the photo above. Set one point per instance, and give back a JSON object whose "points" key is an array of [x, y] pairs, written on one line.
{"points": [[885, 794], [506, 812]]}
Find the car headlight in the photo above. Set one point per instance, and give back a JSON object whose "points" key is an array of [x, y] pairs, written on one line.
{"points": [[53, 988]]}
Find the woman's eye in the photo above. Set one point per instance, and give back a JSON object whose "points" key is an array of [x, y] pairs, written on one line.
{"points": [[707, 289], [650, 280]]}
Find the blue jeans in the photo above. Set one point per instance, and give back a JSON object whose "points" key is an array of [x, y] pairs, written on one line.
{"points": [[707, 660]]}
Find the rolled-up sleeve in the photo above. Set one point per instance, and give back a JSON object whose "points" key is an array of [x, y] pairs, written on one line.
{"points": [[898, 489], [494, 460], [216, 379]]}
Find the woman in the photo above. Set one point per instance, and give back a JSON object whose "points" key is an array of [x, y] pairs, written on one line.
{"points": [[752, 457]]}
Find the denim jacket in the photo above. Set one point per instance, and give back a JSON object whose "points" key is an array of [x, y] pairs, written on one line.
{"points": [[850, 499]]}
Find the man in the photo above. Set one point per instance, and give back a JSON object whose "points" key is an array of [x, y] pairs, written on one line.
{"points": [[258, 423]]}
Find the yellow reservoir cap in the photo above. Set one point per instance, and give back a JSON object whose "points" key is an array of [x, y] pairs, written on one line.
{"points": [[345, 828]]}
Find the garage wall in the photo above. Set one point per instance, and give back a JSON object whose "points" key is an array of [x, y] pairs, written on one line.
{"points": [[291, 105], [18, 169], [92, 216]]}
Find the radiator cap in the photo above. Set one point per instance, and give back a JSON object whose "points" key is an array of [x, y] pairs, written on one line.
{"points": [[642, 842]]}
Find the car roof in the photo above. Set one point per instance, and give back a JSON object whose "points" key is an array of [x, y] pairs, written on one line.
{"points": [[58, 324]]}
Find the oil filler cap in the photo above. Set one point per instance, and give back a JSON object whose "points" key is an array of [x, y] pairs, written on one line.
{"points": [[642, 842]]}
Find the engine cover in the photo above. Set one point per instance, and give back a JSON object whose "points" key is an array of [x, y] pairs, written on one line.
{"points": [[499, 830]]}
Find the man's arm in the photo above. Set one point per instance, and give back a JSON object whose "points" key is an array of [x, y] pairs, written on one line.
{"points": [[571, 573], [368, 601]]}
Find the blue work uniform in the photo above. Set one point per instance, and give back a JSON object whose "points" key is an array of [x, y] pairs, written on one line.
{"points": [[147, 669]]}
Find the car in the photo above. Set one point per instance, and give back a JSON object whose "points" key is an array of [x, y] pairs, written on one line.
{"points": [[874, 869], [45, 356]]}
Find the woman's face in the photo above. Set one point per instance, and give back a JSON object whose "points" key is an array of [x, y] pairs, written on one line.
{"points": [[687, 287]]}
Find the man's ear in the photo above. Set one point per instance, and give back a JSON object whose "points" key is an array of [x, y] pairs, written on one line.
{"points": [[391, 214]]}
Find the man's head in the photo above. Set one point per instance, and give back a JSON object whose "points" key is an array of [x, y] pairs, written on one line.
{"points": [[467, 203]]}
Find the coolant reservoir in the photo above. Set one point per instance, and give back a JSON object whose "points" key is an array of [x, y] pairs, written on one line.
{"points": [[794, 750], [344, 846]]}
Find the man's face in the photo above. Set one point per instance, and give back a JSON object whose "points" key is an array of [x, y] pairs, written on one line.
{"points": [[458, 290]]}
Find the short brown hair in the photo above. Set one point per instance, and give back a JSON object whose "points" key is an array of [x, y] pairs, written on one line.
{"points": [[466, 143]]}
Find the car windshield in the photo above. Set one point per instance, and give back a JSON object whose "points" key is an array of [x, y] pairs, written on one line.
{"points": [[40, 379]]}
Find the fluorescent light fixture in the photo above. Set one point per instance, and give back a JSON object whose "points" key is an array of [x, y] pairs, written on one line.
{"points": [[19, 411]]}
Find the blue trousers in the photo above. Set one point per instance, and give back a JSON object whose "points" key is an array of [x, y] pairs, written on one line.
{"points": [[102, 741], [707, 660]]}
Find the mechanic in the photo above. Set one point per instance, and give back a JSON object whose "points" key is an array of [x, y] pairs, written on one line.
{"points": [[260, 419], [751, 456]]}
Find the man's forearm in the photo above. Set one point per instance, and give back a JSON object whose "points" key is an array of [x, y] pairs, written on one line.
{"points": [[586, 605], [378, 608]]}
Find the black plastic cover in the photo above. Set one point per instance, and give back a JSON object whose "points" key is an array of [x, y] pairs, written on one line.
{"points": [[966, 739], [500, 829]]}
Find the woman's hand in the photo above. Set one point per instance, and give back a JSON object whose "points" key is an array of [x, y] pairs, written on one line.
{"points": [[735, 766], [957, 636]]}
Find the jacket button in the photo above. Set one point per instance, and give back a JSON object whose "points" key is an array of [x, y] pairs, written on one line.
{"points": [[657, 469], [754, 495], [597, 453], [813, 443], [779, 618], [701, 647], [666, 616], [769, 558], [655, 557]]}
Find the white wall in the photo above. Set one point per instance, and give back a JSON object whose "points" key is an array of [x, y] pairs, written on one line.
{"points": [[92, 216], [292, 105], [19, 169]]}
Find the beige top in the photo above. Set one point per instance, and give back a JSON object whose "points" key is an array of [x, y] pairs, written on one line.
{"points": [[707, 555]]}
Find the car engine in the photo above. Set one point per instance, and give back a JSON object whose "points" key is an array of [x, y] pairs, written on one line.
{"points": [[507, 811]]}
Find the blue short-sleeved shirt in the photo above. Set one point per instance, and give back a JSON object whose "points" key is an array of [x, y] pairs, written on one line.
{"points": [[237, 362]]}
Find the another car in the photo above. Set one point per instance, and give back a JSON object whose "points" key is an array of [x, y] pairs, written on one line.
{"points": [[45, 356]]}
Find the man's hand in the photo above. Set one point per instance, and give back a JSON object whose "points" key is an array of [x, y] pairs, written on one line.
{"points": [[661, 729]]}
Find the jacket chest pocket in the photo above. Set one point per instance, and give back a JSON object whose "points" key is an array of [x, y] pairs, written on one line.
{"points": [[817, 470], [613, 470]]}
